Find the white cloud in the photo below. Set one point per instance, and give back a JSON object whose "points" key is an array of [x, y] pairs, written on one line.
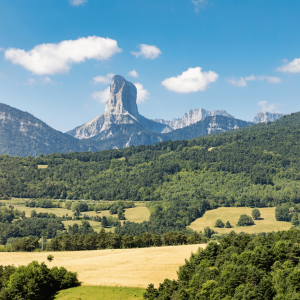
{"points": [[142, 94], [77, 2], [43, 80], [147, 51], [102, 96], [192, 80], [238, 82], [197, 4], [268, 107], [31, 81], [57, 58], [133, 73], [291, 67], [243, 81], [1, 49], [104, 79]]}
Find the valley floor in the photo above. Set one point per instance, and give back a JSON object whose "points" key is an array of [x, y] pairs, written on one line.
{"points": [[113, 267]]}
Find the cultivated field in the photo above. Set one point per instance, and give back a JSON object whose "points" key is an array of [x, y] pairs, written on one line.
{"points": [[268, 222], [137, 214], [101, 292], [59, 212], [120, 267]]}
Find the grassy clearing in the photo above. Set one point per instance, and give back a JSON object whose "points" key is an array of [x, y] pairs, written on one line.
{"points": [[95, 225], [101, 292], [137, 214], [42, 166], [113, 267], [268, 222], [57, 211]]}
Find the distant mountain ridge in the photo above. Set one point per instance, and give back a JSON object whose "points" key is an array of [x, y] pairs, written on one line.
{"points": [[22, 134], [192, 117], [264, 117], [121, 125]]}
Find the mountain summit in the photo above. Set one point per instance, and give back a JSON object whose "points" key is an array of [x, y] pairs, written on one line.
{"points": [[120, 109]]}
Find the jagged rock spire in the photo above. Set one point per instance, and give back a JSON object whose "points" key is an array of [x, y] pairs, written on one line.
{"points": [[122, 98]]}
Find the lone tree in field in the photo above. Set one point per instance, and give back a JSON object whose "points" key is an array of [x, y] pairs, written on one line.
{"points": [[50, 257], [255, 214], [208, 232], [245, 221], [228, 225], [219, 223], [104, 222]]}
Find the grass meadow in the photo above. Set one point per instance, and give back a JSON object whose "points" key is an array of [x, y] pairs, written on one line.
{"points": [[267, 223], [101, 292]]}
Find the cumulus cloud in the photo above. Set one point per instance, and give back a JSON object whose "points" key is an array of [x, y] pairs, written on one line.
{"points": [[57, 58], [268, 107], [77, 2], [104, 79], [147, 51], [142, 93], [198, 3], [192, 80], [242, 81], [291, 67], [133, 73], [102, 96]]}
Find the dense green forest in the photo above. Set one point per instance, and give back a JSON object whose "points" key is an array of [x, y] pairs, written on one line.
{"points": [[255, 166], [238, 267]]}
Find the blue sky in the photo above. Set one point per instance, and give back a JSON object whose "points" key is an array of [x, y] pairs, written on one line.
{"points": [[239, 55]]}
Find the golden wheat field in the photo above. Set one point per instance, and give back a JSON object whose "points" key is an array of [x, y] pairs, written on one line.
{"points": [[120, 267], [267, 223]]}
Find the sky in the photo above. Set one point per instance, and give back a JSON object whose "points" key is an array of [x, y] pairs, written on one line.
{"points": [[57, 57]]}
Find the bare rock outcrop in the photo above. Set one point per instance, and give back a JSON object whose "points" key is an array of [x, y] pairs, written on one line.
{"points": [[264, 117]]}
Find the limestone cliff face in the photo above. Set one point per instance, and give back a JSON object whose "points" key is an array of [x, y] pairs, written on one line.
{"points": [[192, 117], [120, 108], [264, 117], [122, 97]]}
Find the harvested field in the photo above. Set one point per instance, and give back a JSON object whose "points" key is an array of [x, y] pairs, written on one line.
{"points": [[137, 214], [59, 212], [267, 223], [114, 267]]}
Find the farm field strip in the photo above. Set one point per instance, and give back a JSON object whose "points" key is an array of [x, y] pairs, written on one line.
{"points": [[267, 223], [100, 292], [114, 267]]}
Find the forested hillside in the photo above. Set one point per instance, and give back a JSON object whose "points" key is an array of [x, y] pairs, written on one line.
{"points": [[238, 267], [254, 166]]}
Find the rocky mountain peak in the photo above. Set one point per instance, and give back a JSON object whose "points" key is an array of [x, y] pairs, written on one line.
{"points": [[122, 98], [264, 117]]}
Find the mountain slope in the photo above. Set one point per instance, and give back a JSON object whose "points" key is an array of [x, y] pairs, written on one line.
{"points": [[22, 134]]}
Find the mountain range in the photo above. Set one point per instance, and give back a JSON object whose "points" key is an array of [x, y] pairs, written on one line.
{"points": [[121, 125]]}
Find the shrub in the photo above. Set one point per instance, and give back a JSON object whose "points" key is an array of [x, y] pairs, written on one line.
{"points": [[219, 223], [245, 221], [228, 225]]}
